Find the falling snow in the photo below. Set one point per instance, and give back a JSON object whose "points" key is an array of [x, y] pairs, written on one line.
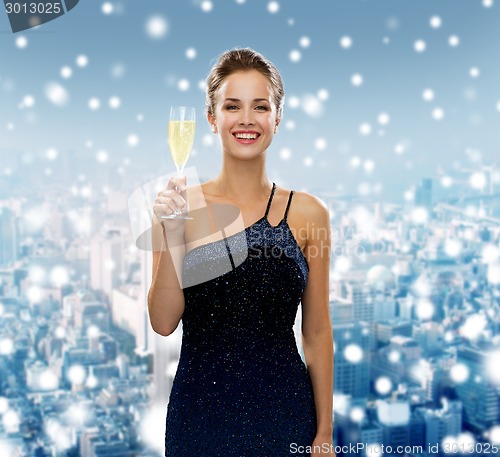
{"points": [[435, 22], [66, 72], [21, 42], [273, 7], [474, 72], [438, 113], [295, 55], [183, 85], [428, 95], [365, 129], [420, 46], [191, 53], [114, 102], [453, 41], [133, 140], [94, 104], [82, 61], [107, 8], [305, 42], [346, 42], [156, 27], [206, 6], [56, 94], [356, 79]]}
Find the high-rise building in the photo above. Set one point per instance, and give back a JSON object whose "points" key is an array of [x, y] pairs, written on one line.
{"points": [[353, 424], [406, 307], [361, 296], [341, 310], [90, 314], [428, 335], [356, 291], [74, 303], [107, 268], [123, 364], [417, 428], [479, 395], [423, 194], [8, 237], [351, 372], [432, 375], [395, 435], [372, 434], [97, 442], [443, 423], [397, 359], [386, 329], [384, 307]]}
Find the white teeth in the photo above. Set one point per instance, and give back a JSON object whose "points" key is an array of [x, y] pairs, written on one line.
{"points": [[246, 136]]}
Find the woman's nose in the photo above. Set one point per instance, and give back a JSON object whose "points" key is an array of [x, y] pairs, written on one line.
{"points": [[246, 116]]}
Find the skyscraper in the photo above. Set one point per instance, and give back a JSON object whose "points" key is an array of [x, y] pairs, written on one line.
{"points": [[352, 375], [106, 260], [443, 423], [8, 237], [478, 394], [423, 194]]}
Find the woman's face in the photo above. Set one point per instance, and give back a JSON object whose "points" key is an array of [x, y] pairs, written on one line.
{"points": [[245, 114]]}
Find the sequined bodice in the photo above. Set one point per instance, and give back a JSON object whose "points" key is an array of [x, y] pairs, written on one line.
{"points": [[245, 285]]}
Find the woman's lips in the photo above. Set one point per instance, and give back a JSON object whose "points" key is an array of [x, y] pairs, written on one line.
{"points": [[246, 137]]}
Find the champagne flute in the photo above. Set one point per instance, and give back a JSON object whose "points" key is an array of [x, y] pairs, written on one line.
{"points": [[181, 128]]}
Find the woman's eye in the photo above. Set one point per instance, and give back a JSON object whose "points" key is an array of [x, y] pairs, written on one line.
{"points": [[262, 108], [231, 107]]}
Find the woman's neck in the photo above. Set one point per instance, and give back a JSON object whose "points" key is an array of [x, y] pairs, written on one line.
{"points": [[242, 181]]}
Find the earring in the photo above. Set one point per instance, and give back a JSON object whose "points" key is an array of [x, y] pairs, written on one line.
{"points": [[213, 129], [276, 129]]}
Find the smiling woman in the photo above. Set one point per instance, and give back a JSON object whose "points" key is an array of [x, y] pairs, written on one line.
{"points": [[241, 388], [241, 118]]}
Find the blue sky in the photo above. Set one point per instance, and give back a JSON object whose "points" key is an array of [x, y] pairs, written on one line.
{"points": [[381, 136]]}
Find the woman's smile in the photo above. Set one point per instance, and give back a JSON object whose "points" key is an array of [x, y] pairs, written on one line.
{"points": [[246, 136]]}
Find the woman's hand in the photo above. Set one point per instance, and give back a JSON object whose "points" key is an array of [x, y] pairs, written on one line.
{"points": [[168, 200], [323, 446]]}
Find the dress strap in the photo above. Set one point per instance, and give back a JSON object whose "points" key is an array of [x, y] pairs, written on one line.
{"points": [[288, 205], [270, 200]]}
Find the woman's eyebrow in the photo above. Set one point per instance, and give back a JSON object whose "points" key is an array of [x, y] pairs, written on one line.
{"points": [[255, 100]]}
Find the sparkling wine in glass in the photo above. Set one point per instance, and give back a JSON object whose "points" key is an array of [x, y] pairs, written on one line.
{"points": [[181, 129]]}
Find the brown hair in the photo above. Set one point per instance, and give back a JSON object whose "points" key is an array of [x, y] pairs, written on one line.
{"points": [[243, 59]]}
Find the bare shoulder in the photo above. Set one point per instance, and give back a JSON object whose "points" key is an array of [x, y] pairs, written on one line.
{"points": [[311, 207], [308, 214]]}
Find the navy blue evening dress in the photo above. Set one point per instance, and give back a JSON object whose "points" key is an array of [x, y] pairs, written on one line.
{"points": [[241, 387]]}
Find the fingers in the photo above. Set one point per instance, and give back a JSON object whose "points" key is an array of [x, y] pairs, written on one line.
{"points": [[171, 198], [176, 182], [166, 207]]}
